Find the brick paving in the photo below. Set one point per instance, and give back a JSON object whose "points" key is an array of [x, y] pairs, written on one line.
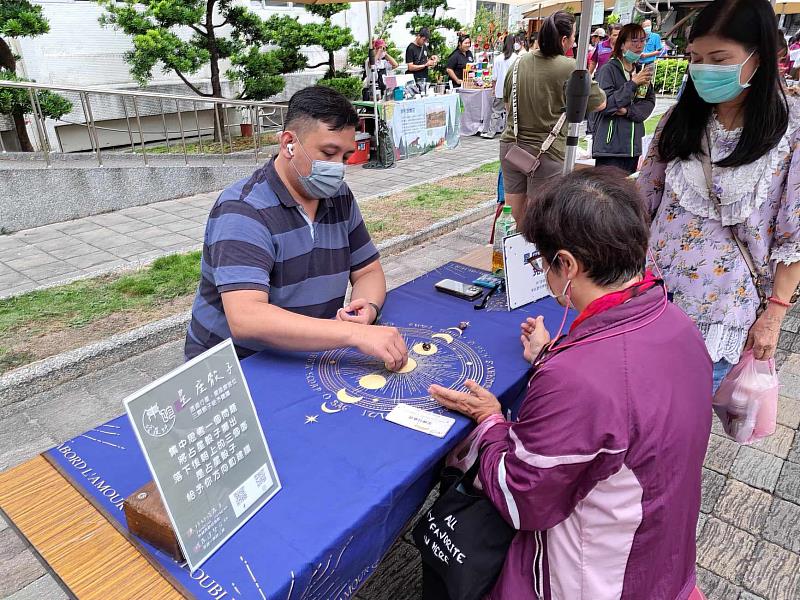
{"points": [[130, 237]]}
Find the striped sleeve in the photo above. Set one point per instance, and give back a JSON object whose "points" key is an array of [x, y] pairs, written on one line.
{"points": [[362, 250], [239, 249], [536, 470]]}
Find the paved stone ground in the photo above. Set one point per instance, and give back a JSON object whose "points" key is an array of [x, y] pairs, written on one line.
{"points": [[126, 238], [748, 533]]}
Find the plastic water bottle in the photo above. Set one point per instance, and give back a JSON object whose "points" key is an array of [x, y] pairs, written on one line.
{"points": [[504, 227]]}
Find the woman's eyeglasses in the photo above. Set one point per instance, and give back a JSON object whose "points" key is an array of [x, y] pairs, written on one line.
{"points": [[535, 261]]}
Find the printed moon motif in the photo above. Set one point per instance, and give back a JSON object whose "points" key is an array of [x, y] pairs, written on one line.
{"points": [[357, 379], [422, 351], [373, 381]]}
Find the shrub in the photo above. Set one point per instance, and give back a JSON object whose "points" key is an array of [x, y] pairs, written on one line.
{"points": [[669, 75], [350, 87]]}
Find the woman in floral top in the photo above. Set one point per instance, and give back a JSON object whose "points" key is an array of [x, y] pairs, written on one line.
{"points": [[733, 102]]}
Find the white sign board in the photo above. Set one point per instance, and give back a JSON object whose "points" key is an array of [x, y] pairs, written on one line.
{"points": [[523, 284], [203, 442], [598, 12]]}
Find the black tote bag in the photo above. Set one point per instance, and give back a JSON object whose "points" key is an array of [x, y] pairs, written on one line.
{"points": [[463, 540]]}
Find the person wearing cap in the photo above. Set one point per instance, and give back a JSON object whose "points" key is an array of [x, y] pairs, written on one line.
{"points": [[598, 35], [605, 49], [417, 58], [383, 62]]}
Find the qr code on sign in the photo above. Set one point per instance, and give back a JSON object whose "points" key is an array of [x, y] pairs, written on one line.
{"points": [[261, 478], [240, 496]]}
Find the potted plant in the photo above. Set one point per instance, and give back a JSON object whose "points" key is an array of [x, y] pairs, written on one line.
{"points": [[245, 125]]}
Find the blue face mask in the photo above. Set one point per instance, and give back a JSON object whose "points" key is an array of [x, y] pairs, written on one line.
{"points": [[647, 30], [325, 179], [631, 56], [719, 83]]}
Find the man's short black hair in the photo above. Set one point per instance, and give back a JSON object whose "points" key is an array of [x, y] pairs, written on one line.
{"points": [[320, 103], [424, 32], [596, 214]]}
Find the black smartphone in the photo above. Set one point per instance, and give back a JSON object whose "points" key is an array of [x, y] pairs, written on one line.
{"points": [[455, 288]]}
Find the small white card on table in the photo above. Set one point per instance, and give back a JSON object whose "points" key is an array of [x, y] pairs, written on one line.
{"points": [[420, 420]]}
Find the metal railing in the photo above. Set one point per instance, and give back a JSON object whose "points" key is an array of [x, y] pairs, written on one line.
{"points": [[669, 75], [264, 117]]}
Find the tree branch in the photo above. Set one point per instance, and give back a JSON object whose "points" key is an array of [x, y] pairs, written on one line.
{"points": [[191, 86], [197, 29], [322, 64], [225, 22]]}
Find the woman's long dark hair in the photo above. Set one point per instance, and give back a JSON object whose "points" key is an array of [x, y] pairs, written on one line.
{"points": [[508, 46], [766, 113], [559, 24]]}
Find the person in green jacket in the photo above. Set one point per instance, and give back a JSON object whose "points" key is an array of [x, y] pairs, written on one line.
{"points": [[630, 100]]}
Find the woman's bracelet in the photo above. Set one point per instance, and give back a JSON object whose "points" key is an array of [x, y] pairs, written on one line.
{"points": [[779, 302]]}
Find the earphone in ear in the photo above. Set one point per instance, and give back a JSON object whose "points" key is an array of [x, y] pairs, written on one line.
{"points": [[290, 148]]}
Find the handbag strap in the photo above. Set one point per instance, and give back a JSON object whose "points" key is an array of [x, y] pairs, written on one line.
{"points": [[743, 249], [514, 98], [554, 133]]}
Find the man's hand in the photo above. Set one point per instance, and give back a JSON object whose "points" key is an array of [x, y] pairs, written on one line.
{"points": [[358, 311], [534, 337], [763, 335], [478, 404], [384, 343], [622, 111]]}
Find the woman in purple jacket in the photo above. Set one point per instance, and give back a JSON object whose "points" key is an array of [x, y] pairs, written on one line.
{"points": [[600, 469]]}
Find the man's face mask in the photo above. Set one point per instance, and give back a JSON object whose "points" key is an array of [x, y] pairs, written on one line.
{"points": [[325, 178]]}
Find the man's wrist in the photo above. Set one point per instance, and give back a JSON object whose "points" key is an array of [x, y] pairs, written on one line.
{"points": [[377, 312]]}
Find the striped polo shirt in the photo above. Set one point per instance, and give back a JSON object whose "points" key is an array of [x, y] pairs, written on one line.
{"points": [[259, 238]]}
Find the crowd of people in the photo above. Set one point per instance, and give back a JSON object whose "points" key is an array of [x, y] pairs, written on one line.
{"points": [[599, 469]]}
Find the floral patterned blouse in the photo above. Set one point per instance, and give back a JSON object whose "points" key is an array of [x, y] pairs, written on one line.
{"points": [[691, 242]]}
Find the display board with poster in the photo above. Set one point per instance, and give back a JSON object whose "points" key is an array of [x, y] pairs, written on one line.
{"points": [[524, 283], [205, 448], [424, 124]]}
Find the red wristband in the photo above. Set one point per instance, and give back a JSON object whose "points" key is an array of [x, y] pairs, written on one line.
{"points": [[779, 302]]}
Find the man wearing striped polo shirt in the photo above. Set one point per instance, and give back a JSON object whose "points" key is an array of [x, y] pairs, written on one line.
{"points": [[281, 246]]}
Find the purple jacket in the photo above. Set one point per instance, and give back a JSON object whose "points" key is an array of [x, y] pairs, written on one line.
{"points": [[601, 471]]}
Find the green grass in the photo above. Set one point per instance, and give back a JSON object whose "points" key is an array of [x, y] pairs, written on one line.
{"points": [[240, 144], [81, 302], [650, 124], [491, 167]]}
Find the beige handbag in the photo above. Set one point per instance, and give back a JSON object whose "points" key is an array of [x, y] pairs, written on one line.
{"points": [[517, 157]]}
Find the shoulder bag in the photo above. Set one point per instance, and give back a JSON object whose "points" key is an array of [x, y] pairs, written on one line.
{"points": [[743, 249], [462, 539], [517, 157]]}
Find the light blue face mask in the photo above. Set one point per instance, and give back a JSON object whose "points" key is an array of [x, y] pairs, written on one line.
{"points": [[719, 83], [631, 56], [647, 30], [325, 179]]}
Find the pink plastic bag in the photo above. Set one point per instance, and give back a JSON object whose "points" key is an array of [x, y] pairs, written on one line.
{"points": [[747, 399]]}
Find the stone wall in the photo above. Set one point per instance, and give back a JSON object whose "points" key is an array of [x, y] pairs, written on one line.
{"points": [[31, 197]]}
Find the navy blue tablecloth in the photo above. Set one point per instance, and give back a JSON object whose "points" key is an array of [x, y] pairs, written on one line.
{"points": [[351, 480]]}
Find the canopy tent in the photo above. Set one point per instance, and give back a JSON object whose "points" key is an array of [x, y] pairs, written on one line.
{"points": [[787, 7], [548, 7]]}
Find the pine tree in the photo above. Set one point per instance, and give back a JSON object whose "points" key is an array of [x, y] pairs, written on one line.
{"points": [[222, 30], [20, 18]]}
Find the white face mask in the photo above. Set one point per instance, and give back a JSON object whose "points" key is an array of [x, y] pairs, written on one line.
{"points": [[517, 46]]}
